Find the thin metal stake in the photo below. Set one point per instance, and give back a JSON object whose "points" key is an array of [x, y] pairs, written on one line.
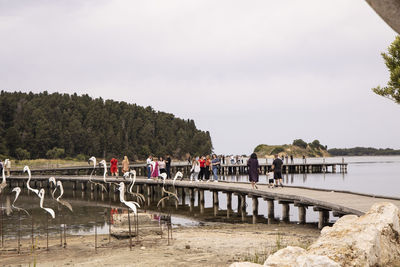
{"points": [[1, 228], [61, 232], [47, 231], [32, 232], [130, 233], [95, 236], [19, 232], [65, 234]]}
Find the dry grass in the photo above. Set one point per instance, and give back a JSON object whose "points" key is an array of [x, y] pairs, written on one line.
{"points": [[46, 163]]}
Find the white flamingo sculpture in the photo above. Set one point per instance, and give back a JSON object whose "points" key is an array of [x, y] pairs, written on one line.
{"points": [[104, 164], [17, 191], [3, 183], [169, 194], [53, 180], [58, 199], [93, 159], [129, 175], [41, 196], [131, 204], [36, 191]]}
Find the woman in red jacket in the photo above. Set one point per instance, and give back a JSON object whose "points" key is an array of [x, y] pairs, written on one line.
{"points": [[114, 167]]}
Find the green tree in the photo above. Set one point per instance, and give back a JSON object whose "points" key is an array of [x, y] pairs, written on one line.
{"points": [[300, 143], [392, 61], [55, 153], [22, 153]]}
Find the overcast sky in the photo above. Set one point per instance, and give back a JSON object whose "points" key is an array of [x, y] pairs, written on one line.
{"points": [[250, 72]]}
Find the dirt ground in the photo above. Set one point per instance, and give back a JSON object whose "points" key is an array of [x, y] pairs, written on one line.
{"points": [[209, 245]]}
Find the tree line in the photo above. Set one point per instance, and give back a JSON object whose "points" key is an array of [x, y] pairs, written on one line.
{"points": [[363, 151], [61, 125]]}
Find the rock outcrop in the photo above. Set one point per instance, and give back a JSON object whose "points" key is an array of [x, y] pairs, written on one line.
{"points": [[370, 240]]}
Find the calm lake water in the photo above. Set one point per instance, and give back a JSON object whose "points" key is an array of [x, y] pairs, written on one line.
{"points": [[372, 175]]}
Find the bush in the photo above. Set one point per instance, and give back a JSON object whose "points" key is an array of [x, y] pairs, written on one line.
{"points": [[300, 143], [22, 153], [55, 153], [81, 157], [277, 150]]}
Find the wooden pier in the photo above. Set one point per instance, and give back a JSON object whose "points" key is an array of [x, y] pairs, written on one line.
{"points": [[325, 202], [184, 167]]}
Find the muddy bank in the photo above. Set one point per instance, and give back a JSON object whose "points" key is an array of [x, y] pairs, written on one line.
{"points": [[209, 245]]}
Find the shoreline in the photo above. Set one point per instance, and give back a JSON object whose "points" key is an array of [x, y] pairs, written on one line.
{"points": [[215, 244]]}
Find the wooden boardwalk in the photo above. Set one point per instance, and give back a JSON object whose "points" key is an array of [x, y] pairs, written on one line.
{"points": [[322, 201], [184, 167]]}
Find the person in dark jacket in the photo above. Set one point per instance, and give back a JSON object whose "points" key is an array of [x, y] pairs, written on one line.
{"points": [[253, 166]]}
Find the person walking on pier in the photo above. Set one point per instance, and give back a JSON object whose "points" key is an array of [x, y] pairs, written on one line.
{"points": [[154, 168], [277, 167], [168, 166], [148, 166], [215, 163], [253, 166], [202, 172], [125, 165], [114, 167], [291, 159]]}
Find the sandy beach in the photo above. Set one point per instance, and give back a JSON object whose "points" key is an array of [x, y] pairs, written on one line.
{"points": [[214, 244]]}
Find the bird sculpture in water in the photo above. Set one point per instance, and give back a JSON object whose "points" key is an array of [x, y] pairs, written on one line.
{"points": [[93, 160], [177, 175], [17, 191], [104, 164], [131, 204], [129, 175], [58, 184], [49, 210], [3, 182], [36, 191]]}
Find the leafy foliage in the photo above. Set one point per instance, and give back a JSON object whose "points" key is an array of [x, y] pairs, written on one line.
{"points": [[55, 153], [392, 61], [31, 125], [300, 143]]}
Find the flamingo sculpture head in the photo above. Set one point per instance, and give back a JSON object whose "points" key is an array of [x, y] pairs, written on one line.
{"points": [[93, 160], [178, 174], [26, 169]]}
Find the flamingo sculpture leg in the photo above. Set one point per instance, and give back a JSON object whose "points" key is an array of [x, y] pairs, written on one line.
{"points": [[17, 191], [131, 204], [49, 210], [36, 191]]}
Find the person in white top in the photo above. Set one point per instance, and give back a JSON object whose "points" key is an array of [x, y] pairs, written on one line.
{"points": [[148, 166], [194, 171]]}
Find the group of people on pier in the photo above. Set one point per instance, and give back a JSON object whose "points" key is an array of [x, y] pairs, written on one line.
{"points": [[203, 167], [156, 166]]}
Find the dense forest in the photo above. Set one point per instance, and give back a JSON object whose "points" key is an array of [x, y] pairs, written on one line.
{"points": [[363, 151], [60, 125]]}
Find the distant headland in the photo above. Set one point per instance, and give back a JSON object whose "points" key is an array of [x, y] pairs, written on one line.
{"points": [[301, 148]]}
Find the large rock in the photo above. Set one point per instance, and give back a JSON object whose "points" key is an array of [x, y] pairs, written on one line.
{"points": [[298, 257], [370, 240]]}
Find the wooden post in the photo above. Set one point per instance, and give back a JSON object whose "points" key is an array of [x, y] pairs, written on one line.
{"points": [[191, 206], [285, 210], [228, 204], [302, 214], [201, 202], [243, 207], [215, 202], [271, 210], [323, 217], [255, 208]]}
